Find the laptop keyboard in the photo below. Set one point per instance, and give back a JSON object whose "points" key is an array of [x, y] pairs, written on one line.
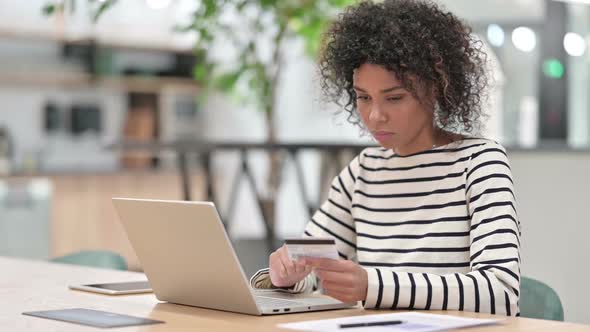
{"points": [[265, 301]]}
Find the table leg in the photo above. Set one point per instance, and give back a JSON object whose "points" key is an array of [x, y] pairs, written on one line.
{"points": [[205, 158], [184, 175], [270, 234], [301, 182]]}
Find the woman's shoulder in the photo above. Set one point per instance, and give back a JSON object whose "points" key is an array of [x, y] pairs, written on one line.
{"points": [[477, 145], [480, 142], [486, 153]]}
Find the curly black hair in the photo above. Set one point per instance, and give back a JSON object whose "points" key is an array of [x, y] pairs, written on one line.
{"points": [[426, 47]]}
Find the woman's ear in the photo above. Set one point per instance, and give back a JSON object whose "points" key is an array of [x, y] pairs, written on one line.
{"points": [[433, 95], [429, 96], [425, 92]]}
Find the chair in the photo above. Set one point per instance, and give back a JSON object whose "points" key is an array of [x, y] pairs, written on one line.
{"points": [[94, 258], [538, 300]]}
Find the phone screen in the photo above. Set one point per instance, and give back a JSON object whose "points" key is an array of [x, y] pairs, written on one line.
{"points": [[122, 286]]}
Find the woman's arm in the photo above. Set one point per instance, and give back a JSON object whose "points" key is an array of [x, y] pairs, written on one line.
{"points": [[333, 219]]}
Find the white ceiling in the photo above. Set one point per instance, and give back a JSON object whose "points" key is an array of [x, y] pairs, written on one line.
{"points": [[131, 20], [488, 11]]}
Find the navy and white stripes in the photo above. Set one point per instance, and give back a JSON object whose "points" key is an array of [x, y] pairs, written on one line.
{"points": [[434, 230]]}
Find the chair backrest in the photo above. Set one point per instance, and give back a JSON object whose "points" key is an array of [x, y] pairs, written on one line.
{"points": [[25, 213], [538, 300], [94, 258]]}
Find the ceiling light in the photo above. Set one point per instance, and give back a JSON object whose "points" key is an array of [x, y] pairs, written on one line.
{"points": [[574, 44], [496, 35], [524, 39]]}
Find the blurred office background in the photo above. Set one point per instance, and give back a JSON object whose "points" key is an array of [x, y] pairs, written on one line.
{"points": [[70, 89]]}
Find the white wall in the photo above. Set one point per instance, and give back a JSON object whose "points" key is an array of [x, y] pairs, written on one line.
{"points": [[22, 113], [577, 76], [553, 207], [497, 10], [130, 22]]}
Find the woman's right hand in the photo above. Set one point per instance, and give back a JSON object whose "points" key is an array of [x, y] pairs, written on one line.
{"points": [[283, 271]]}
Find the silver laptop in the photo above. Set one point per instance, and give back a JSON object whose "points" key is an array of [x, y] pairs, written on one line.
{"points": [[188, 259]]}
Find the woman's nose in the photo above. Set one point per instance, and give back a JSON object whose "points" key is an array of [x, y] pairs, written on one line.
{"points": [[376, 114]]}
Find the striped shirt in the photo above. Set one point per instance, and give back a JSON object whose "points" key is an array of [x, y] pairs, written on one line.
{"points": [[434, 230]]}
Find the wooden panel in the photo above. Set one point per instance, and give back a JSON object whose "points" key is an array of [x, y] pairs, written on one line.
{"points": [[83, 216]]}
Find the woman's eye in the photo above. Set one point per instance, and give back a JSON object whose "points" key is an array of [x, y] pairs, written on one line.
{"points": [[362, 98], [394, 98]]}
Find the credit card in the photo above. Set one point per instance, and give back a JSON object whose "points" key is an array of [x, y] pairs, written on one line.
{"points": [[311, 247]]}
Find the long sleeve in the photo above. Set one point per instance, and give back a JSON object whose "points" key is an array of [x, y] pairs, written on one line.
{"points": [[492, 283], [334, 219]]}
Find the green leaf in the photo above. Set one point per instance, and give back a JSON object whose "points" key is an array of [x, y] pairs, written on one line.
{"points": [[202, 72], [184, 28], [210, 8], [269, 3], [312, 34], [342, 3], [52, 8], [49, 9], [241, 5], [102, 9], [226, 82], [296, 24]]}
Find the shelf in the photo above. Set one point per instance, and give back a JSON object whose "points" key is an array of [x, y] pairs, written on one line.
{"points": [[54, 37], [79, 79]]}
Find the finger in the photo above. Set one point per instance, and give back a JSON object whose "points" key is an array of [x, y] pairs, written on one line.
{"points": [[338, 285], [327, 263], [299, 268], [344, 279], [305, 268], [282, 270], [300, 265], [275, 265], [326, 284], [287, 262], [340, 296]]}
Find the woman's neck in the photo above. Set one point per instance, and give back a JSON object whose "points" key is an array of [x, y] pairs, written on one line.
{"points": [[428, 140]]}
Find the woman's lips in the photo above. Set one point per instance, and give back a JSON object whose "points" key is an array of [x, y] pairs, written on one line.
{"points": [[382, 135]]}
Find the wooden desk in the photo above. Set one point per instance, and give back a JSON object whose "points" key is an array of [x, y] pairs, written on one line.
{"points": [[32, 285]]}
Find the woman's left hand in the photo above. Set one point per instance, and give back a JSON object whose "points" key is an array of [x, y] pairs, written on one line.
{"points": [[343, 280]]}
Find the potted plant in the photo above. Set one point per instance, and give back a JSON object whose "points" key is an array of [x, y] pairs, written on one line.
{"points": [[262, 24]]}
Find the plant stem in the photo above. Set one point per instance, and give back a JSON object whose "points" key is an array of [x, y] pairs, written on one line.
{"points": [[275, 162]]}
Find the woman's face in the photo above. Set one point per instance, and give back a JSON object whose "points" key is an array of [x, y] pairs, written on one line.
{"points": [[395, 118]]}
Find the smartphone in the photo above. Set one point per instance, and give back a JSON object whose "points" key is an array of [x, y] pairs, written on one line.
{"points": [[116, 288]]}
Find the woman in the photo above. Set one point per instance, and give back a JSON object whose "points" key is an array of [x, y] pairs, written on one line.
{"points": [[426, 221]]}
